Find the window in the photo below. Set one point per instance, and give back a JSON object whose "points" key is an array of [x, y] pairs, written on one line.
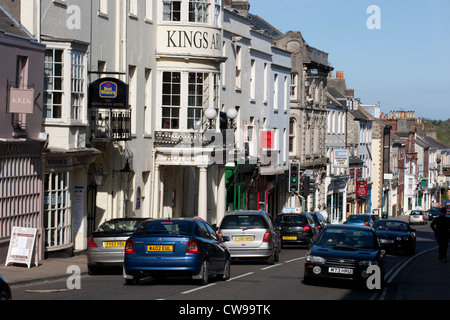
{"points": [[133, 7], [198, 11], [198, 98], [172, 10], [103, 6], [217, 13], [291, 134], [77, 85], [275, 93], [147, 100], [294, 84], [149, 9], [53, 83], [57, 210], [253, 80], [171, 100], [238, 67]]}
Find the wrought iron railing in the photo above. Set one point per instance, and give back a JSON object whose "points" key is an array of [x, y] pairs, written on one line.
{"points": [[110, 124]]}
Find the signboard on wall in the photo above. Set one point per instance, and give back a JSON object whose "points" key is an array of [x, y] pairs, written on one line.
{"points": [[340, 158], [21, 246], [21, 100]]}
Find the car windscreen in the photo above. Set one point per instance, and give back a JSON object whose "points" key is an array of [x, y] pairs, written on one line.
{"points": [[391, 226], [243, 221], [173, 227], [119, 226], [358, 217], [285, 220], [346, 238]]}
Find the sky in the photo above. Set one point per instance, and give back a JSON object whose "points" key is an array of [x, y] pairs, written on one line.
{"points": [[397, 55]]}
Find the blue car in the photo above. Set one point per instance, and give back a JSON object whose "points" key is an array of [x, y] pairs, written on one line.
{"points": [[175, 247], [362, 219]]}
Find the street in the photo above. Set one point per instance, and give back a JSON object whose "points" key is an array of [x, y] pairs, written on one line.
{"points": [[250, 281]]}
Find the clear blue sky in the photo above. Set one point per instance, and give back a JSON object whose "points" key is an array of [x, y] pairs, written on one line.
{"points": [[404, 65]]}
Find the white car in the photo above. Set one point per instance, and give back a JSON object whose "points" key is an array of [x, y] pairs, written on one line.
{"points": [[417, 216]]}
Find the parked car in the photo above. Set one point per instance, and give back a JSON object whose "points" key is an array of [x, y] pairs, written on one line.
{"points": [[5, 290], [176, 247], [363, 219], [434, 212], [396, 234], [296, 228], [319, 220], [252, 235], [107, 244], [344, 252], [417, 216]]}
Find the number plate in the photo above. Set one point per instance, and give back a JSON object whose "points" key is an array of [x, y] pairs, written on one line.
{"points": [[114, 244], [340, 270], [243, 238], [386, 241], [289, 238], [159, 248]]}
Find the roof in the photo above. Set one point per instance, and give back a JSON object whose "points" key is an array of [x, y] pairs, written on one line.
{"points": [[9, 25], [259, 24]]}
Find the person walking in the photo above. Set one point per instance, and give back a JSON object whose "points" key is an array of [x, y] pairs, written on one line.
{"points": [[441, 226]]}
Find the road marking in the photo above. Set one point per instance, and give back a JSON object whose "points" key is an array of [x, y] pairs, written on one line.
{"points": [[241, 276], [272, 266], [199, 288], [296, 259]]}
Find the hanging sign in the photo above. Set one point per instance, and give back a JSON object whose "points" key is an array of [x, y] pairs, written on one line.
{"points": [[108, 93], [21, 246]]}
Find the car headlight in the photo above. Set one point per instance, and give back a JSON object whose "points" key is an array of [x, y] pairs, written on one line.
{"points": [[366, 263], [315, 259]]}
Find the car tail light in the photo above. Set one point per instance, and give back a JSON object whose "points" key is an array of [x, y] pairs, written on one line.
{"points": [[192, 247], [91, 242], [366, 224], [307, 228], [129, 246], [345, 222], [220, 234], [266, 237]]}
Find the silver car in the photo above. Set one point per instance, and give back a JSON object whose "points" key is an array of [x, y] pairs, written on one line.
{"points": [[252, 234], [106, 246]]}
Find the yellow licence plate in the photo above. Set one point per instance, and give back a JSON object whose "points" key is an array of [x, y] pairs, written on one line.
{"points": [[289, 238], [160, 248], [114, 244], [243, 238]]}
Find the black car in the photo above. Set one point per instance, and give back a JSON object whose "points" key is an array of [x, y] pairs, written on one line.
{"points": [[344, 252], [396, 234], [296, 228], [434, 212], [5, 290], [319, 220]]}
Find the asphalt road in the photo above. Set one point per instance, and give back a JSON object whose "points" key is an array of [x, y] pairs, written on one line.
{"points": [[250, 281]]}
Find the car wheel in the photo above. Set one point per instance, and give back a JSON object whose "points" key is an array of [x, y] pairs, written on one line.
{"points": [[226, 271], [271, 259], [204, 273], [134, 281]]}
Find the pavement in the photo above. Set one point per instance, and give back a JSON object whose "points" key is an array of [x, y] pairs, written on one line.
{"points": [[424, 277]]}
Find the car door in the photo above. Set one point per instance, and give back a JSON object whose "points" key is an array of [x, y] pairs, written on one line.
{"points": [[220, 250]]}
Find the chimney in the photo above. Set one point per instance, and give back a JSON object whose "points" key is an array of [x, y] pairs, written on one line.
{"points": [[241, 6]]}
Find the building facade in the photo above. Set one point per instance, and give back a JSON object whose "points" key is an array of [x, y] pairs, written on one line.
{"points": [[22, 143]]}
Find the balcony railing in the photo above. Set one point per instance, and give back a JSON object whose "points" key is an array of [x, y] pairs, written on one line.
{"points": [[110, 124], [192, 139]]}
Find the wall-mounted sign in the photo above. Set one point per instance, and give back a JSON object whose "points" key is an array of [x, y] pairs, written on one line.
{"points": [[108, 93], [21, 100], [340, 158], [361, 188]]}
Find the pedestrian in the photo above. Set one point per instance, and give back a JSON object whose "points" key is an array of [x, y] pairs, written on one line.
{"points": [[324, 213], [441, 226]]}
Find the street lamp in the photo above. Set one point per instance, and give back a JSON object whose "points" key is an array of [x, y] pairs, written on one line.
{"points": [[231, 115], [126, 173], [100, 176]]}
